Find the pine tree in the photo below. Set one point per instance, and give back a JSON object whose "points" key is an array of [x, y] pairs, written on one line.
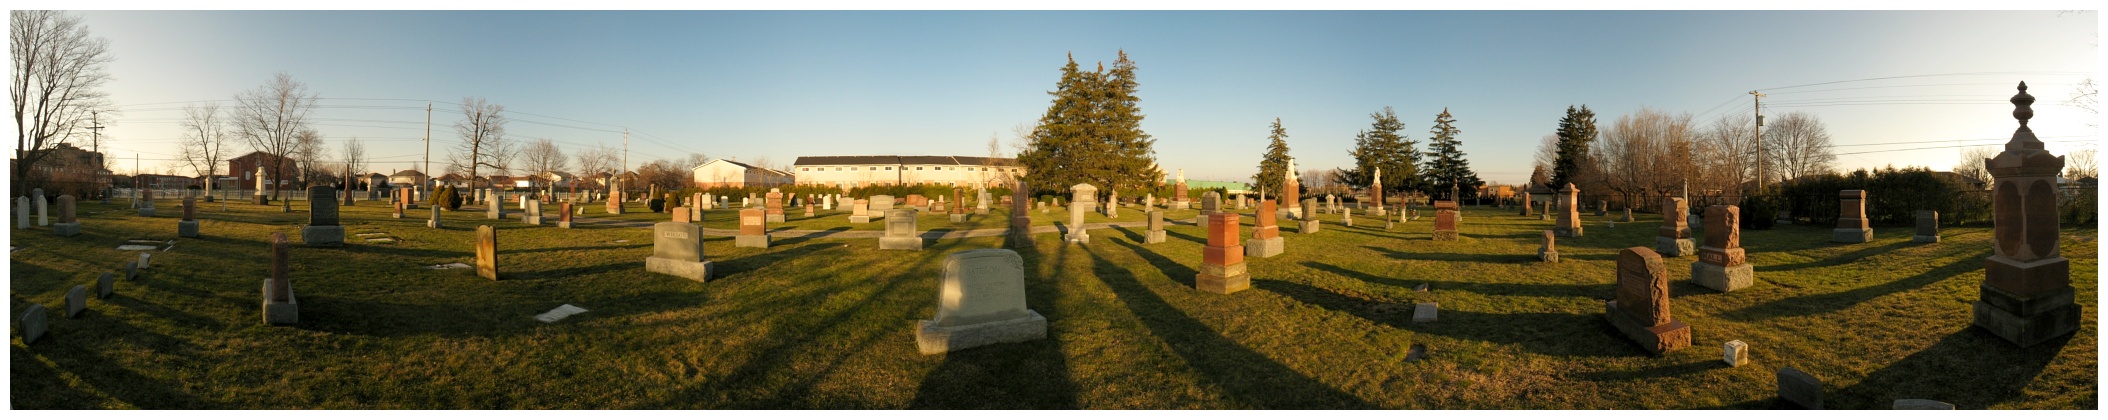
{"points": [[1576, 130], [1274, 165], [1091, 132], [1382, 147], [1446, 166]]}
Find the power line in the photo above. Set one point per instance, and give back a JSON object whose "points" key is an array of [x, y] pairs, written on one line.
{"points": [[1943, 147], [1990, 73]]}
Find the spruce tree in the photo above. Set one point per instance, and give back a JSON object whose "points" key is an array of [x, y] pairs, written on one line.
{"points": [[1130, 158], [1382, 147], [1576, 130], [1273, 166], [1091, 132], [1446, 166]]}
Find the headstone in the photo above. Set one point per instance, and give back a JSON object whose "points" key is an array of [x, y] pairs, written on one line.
{"points": [[696, 205], [131, 270], [1308, 223], [76, 301], [1602, 208], [1020, 221], [1735, 353], [2026, 296], [828, 203], [146, 203], [22, 213], [860, 211], [958, 207], [677, 250], [706, 201], [1918, 404], [1210, 203], [105, 285], [1628, 216], [1222, 260], [1179, 198], [753, 229], [882, 204], [435, 223], [614, 202], [1112, 208], [496, 209], [533, 213], [773, 211], [1673, 239], [1852, 226], [1928, 227], [1641, 310], [680, 214], [1155, 235], [1346, 218], [1083, 196], [261, 183], [1266, 233], [280, 307], [1077, 233], [1800, 388], [809, 207], [487, 252], [1445, 220], [1569, 224], [398, 204], [188, 227], [1548, 252], [980, 301], [1376, 194], [1526, 204], [1424, 312], [145, 259], [1722, 265], [43, 208], [1291, 189], [33, 324], [322, 228], [900, 231]]}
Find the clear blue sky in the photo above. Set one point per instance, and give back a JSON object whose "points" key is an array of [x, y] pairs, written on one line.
{"points": [[785, 84]]}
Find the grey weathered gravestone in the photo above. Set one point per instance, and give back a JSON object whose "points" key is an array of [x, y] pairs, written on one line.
{"points": [[533, 214], [1917, 404], [1155, 235], [1308, 223], [677, 250], [1722, 265], [434, 222], [22, 213], [144, 260], [1425, 311], [280, 307], [883, 204], [495, 209], [105, 285], [1210, 203], [76, 301], [131, 270], [1569, 223], [860, 211], [322, 228], [146, 203], [1077, 234], [900, 231], [1800, 388], [1735, 353], [1346, 218], [33, 324], [980, 301], [1549, 252], [1928, 227], [1083, 196], [188, 227], [1673, 239], [43, 207]]}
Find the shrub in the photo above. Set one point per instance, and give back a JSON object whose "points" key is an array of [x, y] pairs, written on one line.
{"points": [[1759, 211], [657, 205]]}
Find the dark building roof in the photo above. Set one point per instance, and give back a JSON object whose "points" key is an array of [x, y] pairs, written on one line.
{"points": [[902, 160]]}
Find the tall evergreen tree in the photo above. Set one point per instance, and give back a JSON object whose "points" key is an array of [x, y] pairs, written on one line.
{"points": [[1091, 132], [1381, 146], [1576, 131], [1446, 166], [1274, 165]]}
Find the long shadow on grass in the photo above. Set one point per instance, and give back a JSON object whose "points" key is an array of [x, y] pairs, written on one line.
{"points": [[1030, 375], [1502, 289], [76, 346], [1248, 377], [1834, 301], [1971, 369], [1541, 333], [1839, 259]]}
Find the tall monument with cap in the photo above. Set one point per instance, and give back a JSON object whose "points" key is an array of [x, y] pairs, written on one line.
{"points": [[2026, 296]]}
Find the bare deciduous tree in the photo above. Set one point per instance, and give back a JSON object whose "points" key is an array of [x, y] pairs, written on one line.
{"points": [[55, 81], [543, 157], [1646, 153], [1972, 164], [1728, 154], [271, 117], [1798, 145], [354, 161], [1547, 157], [2087, 97], [309, 154], [483, 145], [2080, 164], [596, 160], [204, 142]]}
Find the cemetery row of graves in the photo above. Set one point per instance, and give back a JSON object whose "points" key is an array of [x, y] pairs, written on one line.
{"points": [[788, 301]]}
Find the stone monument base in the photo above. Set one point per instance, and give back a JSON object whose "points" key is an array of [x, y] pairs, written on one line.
{"points": [[692, 270], [1571, 232], [1445, 235], [1851, 236], [66, 229], [563, 225], [859, 219], [1079, 237], [262, 200], [1307, 226], [1294, 214], [280, 313], [322, 235], [1658, 340], [1224, 280], [958, 218], [1376, 211], [1925, 238], [531, 220], [751, 241], [1547, 256], [187, 228], [1673, 247], [434, 223], [1182, 205], [932, 339], [773, 218], [1725, 279], [911, 243], [2026, 321], [979, 211], [1153, 237], [1262, 248]]}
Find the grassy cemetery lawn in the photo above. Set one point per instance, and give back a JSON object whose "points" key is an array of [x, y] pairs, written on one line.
{"points": [[828, 323]]}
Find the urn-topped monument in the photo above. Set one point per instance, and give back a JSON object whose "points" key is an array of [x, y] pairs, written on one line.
{"points": [[2026, 296]]}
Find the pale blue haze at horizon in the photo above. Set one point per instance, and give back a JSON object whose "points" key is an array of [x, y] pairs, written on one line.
{"points": [[785, 84]]}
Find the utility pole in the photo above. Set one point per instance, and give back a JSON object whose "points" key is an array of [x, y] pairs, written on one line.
{"points": [[95, 144], [1758, 108], [625, 159], [428, 182], [135, 179]]}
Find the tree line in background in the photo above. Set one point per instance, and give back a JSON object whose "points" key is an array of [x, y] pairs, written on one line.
{"points": [[1440, 171]]}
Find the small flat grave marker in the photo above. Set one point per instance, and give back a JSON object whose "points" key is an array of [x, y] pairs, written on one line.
{"points": [[558, 314]]}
